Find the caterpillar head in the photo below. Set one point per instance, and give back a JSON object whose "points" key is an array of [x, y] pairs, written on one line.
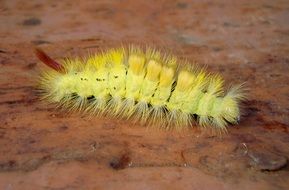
{"points": [[230, 109], [230, 105]]}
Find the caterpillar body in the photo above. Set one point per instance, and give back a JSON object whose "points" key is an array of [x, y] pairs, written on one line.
{"points": [[141, 84]]}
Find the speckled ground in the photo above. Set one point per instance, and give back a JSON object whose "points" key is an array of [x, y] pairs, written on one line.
{"points": [[42, 148]]}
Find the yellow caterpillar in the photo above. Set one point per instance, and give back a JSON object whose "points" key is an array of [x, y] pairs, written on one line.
{"points": [[143, 85]]}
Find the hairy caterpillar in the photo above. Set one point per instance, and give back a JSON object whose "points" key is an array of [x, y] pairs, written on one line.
{"points": [[141, 84]]}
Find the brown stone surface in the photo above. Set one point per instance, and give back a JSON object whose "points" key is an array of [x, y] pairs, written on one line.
{"points": [[42, 148]]}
